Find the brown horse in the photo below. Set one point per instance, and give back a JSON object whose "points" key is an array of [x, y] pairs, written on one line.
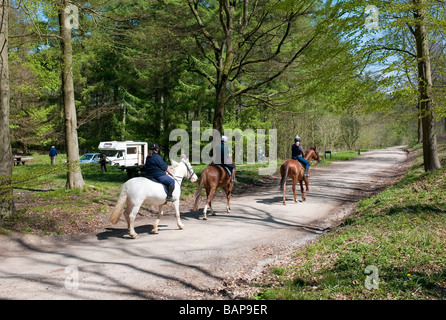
{"points": [[213, 177], [293, 169]]}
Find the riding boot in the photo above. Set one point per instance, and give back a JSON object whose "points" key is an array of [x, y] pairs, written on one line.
{"points": [[233, 176], [169, 197], [306, 171]]}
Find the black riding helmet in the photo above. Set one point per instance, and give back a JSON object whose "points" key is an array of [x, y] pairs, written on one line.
{"points": [[154, 146]]}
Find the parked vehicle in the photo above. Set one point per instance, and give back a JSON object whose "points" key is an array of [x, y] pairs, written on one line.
{"points": [[125, 153], [89, 158]]}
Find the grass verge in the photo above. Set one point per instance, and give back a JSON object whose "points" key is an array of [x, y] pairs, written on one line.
{"points": [[393, 247], [340, 156]]}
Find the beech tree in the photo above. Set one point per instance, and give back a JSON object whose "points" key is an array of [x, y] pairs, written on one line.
{"points": [[7, 207], [74, 174], [404, 25], [430, 153]]}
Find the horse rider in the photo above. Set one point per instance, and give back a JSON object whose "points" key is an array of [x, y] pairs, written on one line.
{"points": [[225, 158], [156, 168], [297, 153]]}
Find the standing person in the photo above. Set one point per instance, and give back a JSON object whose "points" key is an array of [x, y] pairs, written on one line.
{"points": [[156, 167], [260, 155], [53, 154], [297, 153], [226, 157], [103, 161]]}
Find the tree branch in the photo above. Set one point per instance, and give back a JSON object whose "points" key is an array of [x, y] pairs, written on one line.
{"points": [[277, 74], [203, 29], [398, 50]]}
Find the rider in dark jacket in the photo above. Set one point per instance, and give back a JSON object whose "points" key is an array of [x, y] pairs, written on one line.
{"points": [[226, 158], [297, 153], [157, 168]]}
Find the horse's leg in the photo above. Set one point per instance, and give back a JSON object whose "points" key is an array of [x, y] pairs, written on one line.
{"points": [[228, 197], [294, 189], [132, 217], [208, 201], [127, 211], [177, 214], [306, 187], [302, 190], [205, 209], [227, 190], [284, 188], [210, 207], [155, 225]]}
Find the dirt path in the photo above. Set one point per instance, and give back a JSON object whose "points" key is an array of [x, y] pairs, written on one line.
{"points": [[210, 259]]}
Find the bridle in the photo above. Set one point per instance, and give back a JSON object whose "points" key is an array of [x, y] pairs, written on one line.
{"points": [[317, 155], [190, 172]]}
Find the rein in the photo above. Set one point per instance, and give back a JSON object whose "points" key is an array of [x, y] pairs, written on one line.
{"points": [[190, 171], [310, 158]]}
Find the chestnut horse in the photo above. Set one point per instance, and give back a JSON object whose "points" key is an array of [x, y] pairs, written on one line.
{"points": [[213, 177], [293, 169]]}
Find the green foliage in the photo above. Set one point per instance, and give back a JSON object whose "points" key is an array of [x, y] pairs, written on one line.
{"points": [[134, 73]]}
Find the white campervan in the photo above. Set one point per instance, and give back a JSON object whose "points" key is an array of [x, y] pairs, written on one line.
{"points": [[125, 153]]}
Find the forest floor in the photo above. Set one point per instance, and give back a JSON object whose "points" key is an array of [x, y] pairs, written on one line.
{"points": [[214, 259]]}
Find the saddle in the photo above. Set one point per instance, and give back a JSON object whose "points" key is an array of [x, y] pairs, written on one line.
{"points": [[151, 178], [225, 168]]}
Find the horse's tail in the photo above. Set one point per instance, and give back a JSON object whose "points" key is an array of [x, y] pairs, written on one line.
{"points": [[284, 175], [198, 192], [119, 207]]}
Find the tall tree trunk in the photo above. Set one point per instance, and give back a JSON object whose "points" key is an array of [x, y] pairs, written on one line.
{"points": [[430, 154], [419, 125], [7, 207], [74, 175], [225, 60], [123, 121], [219, 108], [443, 126]]}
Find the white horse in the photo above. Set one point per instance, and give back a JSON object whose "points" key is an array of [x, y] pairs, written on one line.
{"points": [[137, 190]]}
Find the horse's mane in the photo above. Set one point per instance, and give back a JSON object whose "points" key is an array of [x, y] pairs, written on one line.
{"points": [[311, 148], [175, 164], [173, 167]]}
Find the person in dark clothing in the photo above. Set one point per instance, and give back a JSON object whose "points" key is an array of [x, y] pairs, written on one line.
{"points": [[53, 154], [156, 168], [225, 158], [103, 161], [297, 153]]}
